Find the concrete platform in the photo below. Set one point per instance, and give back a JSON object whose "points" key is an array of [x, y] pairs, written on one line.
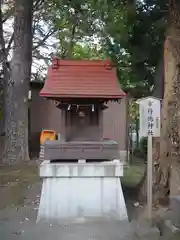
{"points": [[72, 191], [175, 209]]}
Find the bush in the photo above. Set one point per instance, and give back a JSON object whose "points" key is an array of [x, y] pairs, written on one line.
{"points": [[141, 151], [137, 153], [143, 146]]}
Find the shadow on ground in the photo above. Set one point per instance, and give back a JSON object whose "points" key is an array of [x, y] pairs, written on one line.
{"points": [[20, 186]]}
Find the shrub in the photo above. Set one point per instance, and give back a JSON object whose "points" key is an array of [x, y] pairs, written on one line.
{"points": [[143, 146], [141, 151]]}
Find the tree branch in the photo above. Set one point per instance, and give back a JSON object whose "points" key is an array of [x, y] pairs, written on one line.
{"points": [[49, 34], [10, 43], [2, 42], [37, 4], [8, 15]]}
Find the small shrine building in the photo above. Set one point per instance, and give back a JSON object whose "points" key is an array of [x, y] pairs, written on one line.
{"points": [[82, 101]]}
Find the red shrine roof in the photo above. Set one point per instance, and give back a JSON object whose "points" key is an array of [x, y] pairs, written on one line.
{"points": [[82, 79]]}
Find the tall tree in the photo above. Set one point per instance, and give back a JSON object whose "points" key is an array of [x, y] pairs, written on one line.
{"points": [[17, 85], [138, 32], [170, 135], [3, 66]]}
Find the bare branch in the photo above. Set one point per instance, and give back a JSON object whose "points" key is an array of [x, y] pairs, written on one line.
{"points": [[10, 43], [8, 15], [37, 4], [49, 34], [41, 57], [2, 43]]}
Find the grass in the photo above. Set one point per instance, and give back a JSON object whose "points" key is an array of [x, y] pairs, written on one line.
{"points": [[133, 174], [14, 182]]}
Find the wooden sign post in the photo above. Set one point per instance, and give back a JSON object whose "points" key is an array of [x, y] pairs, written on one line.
{"points": [[149, 177], [150, 160], [149, 111]]}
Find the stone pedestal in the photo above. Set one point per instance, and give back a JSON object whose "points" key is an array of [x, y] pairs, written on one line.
{"points": [[175, 210], [74, 150], [76, 190], [142, 230], [170, 231]]}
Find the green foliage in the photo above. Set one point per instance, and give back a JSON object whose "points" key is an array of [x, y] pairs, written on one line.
{"points": [[87, 52], [134, 111], [76, 23], [143, 145], [130, 32], [132, 175], [141, 150], [137, 32]]}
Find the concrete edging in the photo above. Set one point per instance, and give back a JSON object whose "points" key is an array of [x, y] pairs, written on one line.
{"points": [[48, 169]]}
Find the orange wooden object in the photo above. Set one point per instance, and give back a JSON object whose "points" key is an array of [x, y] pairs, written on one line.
{"points": [[47, 135]]}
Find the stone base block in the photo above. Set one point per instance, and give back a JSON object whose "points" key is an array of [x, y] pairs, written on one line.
{"points": [[175, 208], [71, 198], [143, 231], [81, 190], [93, 150], [170, 231], [105, 169]]}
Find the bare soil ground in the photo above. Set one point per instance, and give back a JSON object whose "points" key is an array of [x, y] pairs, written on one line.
{"points": [[15, 182], [20, 188]]}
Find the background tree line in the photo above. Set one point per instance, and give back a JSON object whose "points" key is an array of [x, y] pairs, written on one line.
{"points": [[141, 37]]}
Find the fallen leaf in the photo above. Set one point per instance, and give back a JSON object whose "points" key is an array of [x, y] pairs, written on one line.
{"points": [[17, 233], [136, 204]]}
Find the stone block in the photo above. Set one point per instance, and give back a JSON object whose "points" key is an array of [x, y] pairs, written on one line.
{"points": [[70, 198], [83, 170], [170, 231], [175, 208], [143, 231]]}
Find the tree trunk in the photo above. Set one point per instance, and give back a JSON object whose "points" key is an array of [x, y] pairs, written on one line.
{"points": [[170, 135], [71, 43], [159, 80], [137, 132], [17, 86], [3, 72]]}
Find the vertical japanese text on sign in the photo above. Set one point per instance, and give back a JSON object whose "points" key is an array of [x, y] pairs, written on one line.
{"points": [[150, 118]]}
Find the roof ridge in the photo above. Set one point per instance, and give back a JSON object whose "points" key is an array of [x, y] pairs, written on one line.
{"points": [[76, 62]]}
